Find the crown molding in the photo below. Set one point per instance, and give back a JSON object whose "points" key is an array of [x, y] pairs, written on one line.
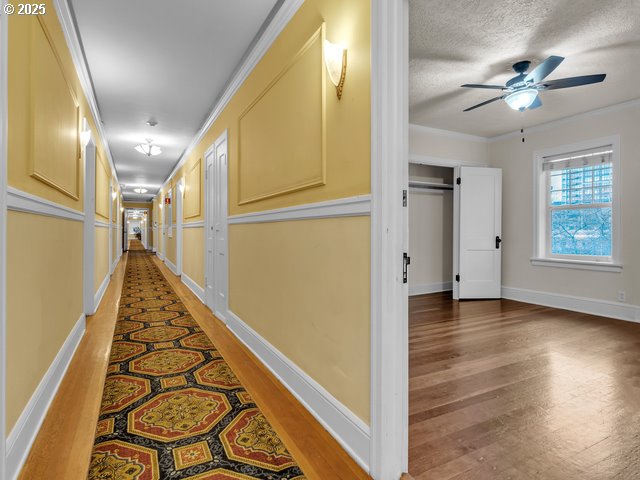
{"points": [[566, 120], [273, 30], [73, 43], [447, 133], [536, 128]]}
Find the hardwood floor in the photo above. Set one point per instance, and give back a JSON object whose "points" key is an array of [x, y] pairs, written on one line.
{"points": [[62, 449], [507, 390]]}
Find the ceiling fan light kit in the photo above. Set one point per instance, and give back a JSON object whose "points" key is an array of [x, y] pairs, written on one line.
{"points": [[521, 92]]}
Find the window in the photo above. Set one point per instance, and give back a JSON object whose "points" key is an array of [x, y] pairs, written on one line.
{"points": [[577, 218]]}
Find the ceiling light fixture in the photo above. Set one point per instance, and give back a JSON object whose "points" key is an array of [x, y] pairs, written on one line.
{"points": [[521, 99], [140, 190], [151, 122], [335, 58], [148, 149]]}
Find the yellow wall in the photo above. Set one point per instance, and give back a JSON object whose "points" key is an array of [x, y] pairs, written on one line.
{"points": [[44, 299], [46, 106], [101, 258], [304, 286], [193, 255], [297, 307], [41, 70]]}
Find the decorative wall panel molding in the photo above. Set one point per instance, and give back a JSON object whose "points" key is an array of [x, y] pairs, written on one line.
{"points": [[282, 132], [193, 191], [54, 117]]}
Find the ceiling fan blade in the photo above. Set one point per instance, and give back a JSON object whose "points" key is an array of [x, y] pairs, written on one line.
{"points": [[536, 103], [476, 85], [544, 69], [485, 103], [572, 82]]}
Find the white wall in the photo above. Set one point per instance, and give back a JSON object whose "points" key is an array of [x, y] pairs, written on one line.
{"points": [[431, 212], [515, 158], [441, 144]]}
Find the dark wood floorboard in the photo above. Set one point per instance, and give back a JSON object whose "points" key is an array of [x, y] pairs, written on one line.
{"points": [[507, 390]]}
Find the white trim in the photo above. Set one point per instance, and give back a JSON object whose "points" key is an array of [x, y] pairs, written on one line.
{"points": [[114, 264], [273, 30], [448, 133], [4, 114], [603, 308], [424, 288], [199, 224], [576, 264], [342, 207], [389, 238], [349, 430], [97, 298], [24, 432], [73, 43], [191, 284], [171, 266], [160, 255], [20, 201], [418, 159], [88, 228], [101, 224], [571, 119]]}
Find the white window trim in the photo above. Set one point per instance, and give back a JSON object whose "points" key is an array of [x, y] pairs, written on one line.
{"points": [[539, 257]]}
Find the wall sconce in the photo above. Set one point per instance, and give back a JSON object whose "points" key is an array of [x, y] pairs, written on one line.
{"points": [[181, 185], [335, 58], [85, 134], [121, 209], [114, 194]]}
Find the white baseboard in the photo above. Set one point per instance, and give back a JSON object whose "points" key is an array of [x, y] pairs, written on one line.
{"points": [[351, 432], [97, 298], [424, 288], [154, 250], [197, 290], [114, 264], [171, 266], [160, 255], [603, 308], [26, 428]]}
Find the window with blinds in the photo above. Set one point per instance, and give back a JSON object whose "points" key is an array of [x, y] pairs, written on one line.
{"points": [[579, 203]]}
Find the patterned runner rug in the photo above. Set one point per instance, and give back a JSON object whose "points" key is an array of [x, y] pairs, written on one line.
{"points": [[172, 407]]}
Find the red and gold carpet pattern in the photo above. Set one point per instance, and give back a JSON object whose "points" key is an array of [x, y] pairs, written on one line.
{"points": [[172, 407]]}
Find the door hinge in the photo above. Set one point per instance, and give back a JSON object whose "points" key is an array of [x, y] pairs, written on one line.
{"points": [[404, 198], [406, 260], [457, 278], [458, 180]]}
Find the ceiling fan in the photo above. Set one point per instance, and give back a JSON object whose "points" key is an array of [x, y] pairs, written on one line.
{"points": [[521, 92]]}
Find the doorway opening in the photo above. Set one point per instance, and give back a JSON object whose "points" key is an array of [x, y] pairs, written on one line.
{"points": [[136, 227]]}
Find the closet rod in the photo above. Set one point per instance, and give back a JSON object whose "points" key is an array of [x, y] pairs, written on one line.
{"points": [[430, 185]]}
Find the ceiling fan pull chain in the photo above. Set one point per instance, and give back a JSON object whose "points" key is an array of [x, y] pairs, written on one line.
{"points": [[522, 124]]}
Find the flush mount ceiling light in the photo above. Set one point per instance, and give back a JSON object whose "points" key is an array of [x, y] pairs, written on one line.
{"points": [[140, 190], [148, 148], [335, 58], [521, 99]]}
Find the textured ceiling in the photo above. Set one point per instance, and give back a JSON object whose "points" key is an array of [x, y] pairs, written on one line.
{"points": [[469, 41], [164, 60]]}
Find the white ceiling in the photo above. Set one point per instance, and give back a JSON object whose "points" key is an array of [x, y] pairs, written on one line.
{"points": [[469, 41], [164, 60]]}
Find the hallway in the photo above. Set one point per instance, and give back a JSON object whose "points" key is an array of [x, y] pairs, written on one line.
{"points": [[172, 406]]}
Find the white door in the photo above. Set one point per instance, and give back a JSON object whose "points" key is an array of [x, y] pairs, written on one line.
{"points": [[216, 227], [479, 233], [220, 228]]}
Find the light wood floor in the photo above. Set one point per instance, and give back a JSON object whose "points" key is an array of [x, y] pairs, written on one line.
{"points": [[62, 449], [507, 390]]}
